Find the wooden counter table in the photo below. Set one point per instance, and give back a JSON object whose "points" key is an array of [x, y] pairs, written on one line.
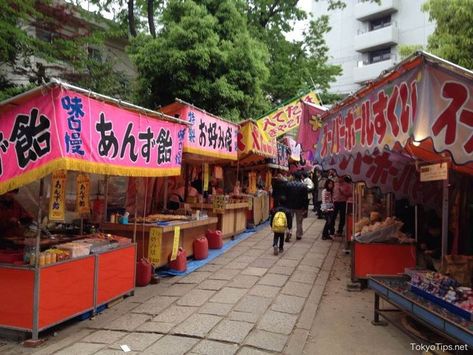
{"points": [[232, 221], [190, 230]]}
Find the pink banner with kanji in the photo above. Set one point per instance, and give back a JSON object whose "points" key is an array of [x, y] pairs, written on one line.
{"points": [[207, 135], [424, 102], [63, 129]]}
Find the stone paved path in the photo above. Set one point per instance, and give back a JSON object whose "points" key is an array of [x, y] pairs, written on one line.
{"points": [[246, 301]]}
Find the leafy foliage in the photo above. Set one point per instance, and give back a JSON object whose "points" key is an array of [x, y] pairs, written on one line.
{"points": [[452, 38], [406, 50]]}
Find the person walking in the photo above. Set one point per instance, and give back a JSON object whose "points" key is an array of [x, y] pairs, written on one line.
{"points": [[342, 191], [280, 220], [298, 202], [321, 185], [327, 208], [310, 186]]}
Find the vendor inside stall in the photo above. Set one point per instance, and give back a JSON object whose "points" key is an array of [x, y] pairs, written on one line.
{"points": [[12, 211]]}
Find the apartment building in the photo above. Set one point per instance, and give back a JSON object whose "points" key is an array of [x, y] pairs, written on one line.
{"points": [[366, 37]]}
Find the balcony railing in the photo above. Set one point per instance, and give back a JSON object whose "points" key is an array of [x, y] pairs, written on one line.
{"points": [[380, 38], [366, 10]]}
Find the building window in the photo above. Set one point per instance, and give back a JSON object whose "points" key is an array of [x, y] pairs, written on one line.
{"points": [[95, 54], [380, 23], [44, 35], [379, 55]]}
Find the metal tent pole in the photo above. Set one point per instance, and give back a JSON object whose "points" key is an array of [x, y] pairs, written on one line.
{"points": [[445, 218], [35, 330], [106, 200]]}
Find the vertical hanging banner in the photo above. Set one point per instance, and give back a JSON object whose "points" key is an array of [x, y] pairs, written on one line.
{"points": [[252, 182], [286, 117], [175, 243], [206, 177], [57, 201], [83, 194], [218, 204], [154, 246]]}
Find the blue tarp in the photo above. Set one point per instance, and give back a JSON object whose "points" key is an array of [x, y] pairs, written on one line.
{"points": [[193, 265]]}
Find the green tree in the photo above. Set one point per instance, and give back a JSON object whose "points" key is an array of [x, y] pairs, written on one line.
{"points": [[452, 38], [203, 54]]}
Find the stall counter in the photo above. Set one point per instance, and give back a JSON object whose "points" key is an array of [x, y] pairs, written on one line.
{"points": [[231, 221], [190, 230]]}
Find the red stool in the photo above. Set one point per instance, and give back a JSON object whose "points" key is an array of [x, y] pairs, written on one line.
{"points": [[201, 248]]}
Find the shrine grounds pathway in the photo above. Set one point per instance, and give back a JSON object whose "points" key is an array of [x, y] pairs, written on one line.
{"points": [[246, 301]]}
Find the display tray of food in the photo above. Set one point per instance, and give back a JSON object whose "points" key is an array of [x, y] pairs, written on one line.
{"points": [[371, 230], [160, 217]]}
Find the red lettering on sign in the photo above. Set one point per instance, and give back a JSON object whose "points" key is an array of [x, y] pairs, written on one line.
{"points": [[327, 139], [350, 131], [405, 109], [367, 132], [413, 100], [466, 118], [379, 119], [392, 117]]}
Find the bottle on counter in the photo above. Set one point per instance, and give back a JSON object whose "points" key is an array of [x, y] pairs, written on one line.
{"points": [[47, 258], [42, 259]]}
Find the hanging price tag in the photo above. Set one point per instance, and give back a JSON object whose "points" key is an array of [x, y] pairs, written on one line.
{"points": [[57, 200], [82, 194], [154, 246], [175, 244], [206, 177]]}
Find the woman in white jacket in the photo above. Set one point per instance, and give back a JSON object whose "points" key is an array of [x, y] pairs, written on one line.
{"points": [[327, 208]]}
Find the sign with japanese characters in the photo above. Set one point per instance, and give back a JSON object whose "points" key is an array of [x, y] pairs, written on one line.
{"points": [[282, 159], [57, 198], [424, 102], [175, 243], [434, 172], [252, 182], [83, 194], [252, 141], [63, 129], [218, 204], [286, 117], [154, 246], [206, 177], [207, 135]]}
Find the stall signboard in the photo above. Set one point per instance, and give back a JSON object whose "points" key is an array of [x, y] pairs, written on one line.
{"points": [[207, 134], [282, 159], [218, 204], [154, 246], [434, 172], [287, 117], [62, 129], [424, 101], [252, 141], [57, 199], [175, 243], [83, 194]]}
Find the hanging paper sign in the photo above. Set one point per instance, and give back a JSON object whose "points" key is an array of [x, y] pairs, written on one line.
{"points": [[57, 201], [287, 117], [175, 244], [83, 194], [268, 179], [218, 204], [434, 172], [251, 140], [250, 203], [207, 135], [61, 129], [206, 177], [154, 246], [252, 182]]}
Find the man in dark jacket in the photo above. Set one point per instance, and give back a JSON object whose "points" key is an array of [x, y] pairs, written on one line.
{"points": [[298, 202]]}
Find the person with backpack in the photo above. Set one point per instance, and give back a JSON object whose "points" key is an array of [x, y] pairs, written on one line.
{"points": [[280, 220]]}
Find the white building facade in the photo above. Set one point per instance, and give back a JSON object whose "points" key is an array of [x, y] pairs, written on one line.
{"points": [[366, 37]]}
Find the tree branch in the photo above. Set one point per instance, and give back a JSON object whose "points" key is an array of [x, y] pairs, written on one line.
{"points": [[131, 18], [152, 28]]}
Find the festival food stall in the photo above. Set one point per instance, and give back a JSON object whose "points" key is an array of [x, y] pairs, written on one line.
{"points": [[254, 147], [210, 147], [48, 135], [410, 133]]}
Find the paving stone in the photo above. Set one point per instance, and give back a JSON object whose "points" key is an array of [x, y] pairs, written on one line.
{"points": [[287, 262], [137, 341], [156, 327], [128, 322], [114, 352], [253, 304], [224, 274], [171, 345], [228, 295], [266, 340], [303, 268], [288, 304], [246, 350], [255, 252], [255, 271], [104, 337], [214, 285], [195, 298], [305, 277], [211, 267], [174, 314], [155, 305], [244, 316], [246, 258], [179, 289], [222, 260], [264, 262], [273, 280], [195, 277], [81, 349], [243, 281], [297, 289], [231, 331], [264, 291], [197, 325], [277, 322], [218, 309], [210, 347], [282, 270], [238, 265]]}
